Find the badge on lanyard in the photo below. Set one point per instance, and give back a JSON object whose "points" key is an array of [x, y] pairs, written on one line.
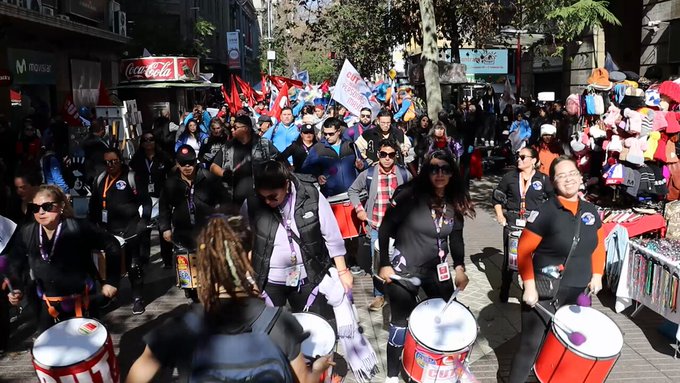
{"points": [[105, 216], [293, 276], [520, 222], [151, 187], [443, 272]]}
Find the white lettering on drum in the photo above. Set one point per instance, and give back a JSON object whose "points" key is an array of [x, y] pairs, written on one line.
{"points": [[103, 369]]}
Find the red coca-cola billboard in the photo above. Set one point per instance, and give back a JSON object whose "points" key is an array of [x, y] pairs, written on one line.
{"points": [[160, 69]]}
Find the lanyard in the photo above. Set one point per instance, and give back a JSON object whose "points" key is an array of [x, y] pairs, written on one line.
{"points": [[190, 203], [149, 165], [438, 224], [523, 188], [286, 220], [45, 256], [107, 186]]}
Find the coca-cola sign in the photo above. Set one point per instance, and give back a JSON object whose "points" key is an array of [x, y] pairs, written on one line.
{"points": [[160, 69]]}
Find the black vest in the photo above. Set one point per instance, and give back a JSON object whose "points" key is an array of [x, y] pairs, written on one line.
{"points": [[264, 222]]}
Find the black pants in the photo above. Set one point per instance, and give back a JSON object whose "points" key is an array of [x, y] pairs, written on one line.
{"points": [[297, 298], [145, 246], [534, 327], [4, 319], [134, 262]]}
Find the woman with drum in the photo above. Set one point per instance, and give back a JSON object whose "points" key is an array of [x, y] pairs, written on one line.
{"points": [[562, 246], [230, 305], [520, 192], [426, 221], [58, 249]]}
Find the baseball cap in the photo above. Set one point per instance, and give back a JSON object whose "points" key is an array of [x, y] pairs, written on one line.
{"points": [[307, 128], [185, 154], [264, 118]]}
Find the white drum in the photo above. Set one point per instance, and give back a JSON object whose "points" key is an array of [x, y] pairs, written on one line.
{"points": [[77, 349], [321, 340]]}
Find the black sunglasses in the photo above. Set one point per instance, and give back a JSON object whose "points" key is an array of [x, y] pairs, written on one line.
{"points": [[386, 154], [523, 157], [443, 169], [112, 162], [186, 163], [329, 134], [365, 115], [47, 207]]}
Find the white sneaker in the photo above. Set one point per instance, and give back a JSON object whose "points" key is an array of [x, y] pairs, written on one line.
{"points": [[392, 380]]}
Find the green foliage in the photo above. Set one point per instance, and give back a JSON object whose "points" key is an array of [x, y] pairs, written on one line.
{"points": [[203, 29], [574, 19], [320, 67]]}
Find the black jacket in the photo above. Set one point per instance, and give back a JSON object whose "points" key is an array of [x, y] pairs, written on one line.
{"points": [[70, 264], [173, 205], [264, 222], [122, 203], [161, 167], [373, 138], [299, 152], [539, 191]]}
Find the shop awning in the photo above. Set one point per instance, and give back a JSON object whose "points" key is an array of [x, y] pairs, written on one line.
{"points": [[165, 85]]}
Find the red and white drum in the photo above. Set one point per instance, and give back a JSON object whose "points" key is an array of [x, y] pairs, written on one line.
{"points": [[320, 342], [433, 351], [560, 361], [344, 213], [75, 350]]}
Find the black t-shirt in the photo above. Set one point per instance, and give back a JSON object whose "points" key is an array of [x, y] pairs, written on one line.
{"points": [[242, 178], [539, 189], [173, 342], [557, 225]]}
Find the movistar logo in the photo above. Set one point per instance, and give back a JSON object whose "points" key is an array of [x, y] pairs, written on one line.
{"points": [[21, 66]]}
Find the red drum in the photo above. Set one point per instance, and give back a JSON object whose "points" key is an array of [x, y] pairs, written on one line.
{"points": [[434, 351], [75, 350], [344, 213], [560, 361]]}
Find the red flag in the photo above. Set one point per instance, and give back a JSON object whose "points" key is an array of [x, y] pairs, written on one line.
{"points": [[325, 86], [225, 96], [70, 113], [264, 85], [103, 99], [235, 99], [280, 102], [288, 81], [246, 89]]}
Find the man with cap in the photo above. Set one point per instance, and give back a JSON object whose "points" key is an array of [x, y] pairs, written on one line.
{"points": [[190, 195], [264, 122], [235, 163], [548, 148]]}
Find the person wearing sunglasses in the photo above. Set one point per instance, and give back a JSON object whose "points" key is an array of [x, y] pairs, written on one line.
{"points": [[379, 181], [368, 142], [520, 192], [296, 239], [566, 235], [114, 206], [364, 124], [426, 221], [57, 249]]}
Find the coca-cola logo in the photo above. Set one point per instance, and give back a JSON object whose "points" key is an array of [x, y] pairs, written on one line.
{"points": [[151, 71]]}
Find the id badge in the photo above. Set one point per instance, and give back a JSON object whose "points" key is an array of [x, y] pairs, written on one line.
{"points": [[151, 188], [443, 272], [105, 216], [293, 276], [520, 222]]}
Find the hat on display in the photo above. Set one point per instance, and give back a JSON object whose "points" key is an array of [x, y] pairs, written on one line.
{"points": [[630, 75], [652, 98], [599, 79], [548, 129], [635, 150], [659, 123], [307, 128], [617, 76], [671, 155], [185, 153], [615, 175], [615, 144], [632, 101], [671, 90], [673, 125]]}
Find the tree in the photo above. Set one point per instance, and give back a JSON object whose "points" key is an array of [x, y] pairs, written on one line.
{"points": [[203, 29], [429, 57]]}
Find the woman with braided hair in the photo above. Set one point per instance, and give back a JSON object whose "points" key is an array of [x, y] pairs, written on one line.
{"points": [[231, 305]]}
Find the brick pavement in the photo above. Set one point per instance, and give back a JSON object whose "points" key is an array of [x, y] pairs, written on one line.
{"points": [[646, 354]]}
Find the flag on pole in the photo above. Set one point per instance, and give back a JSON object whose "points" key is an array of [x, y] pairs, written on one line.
{"points": [[352, 91], [236, 103], [279, 103], [227, 100], [246, 89], [70, 113]]}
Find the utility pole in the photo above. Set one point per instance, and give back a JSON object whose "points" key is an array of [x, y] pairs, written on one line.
{"points": [[430, 57], [269, 35]]}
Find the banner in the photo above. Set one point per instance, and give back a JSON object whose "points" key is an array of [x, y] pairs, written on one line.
{"points": [[485, 61], [352, 92], [303, 76], [160, 69], [233, 50]]}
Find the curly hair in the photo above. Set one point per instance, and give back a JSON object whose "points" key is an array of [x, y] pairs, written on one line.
{"points": [[223, 263]]}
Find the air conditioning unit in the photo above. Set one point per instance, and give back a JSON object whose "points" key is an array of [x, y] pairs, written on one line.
{"points": [[63, 17], [47, 11]]}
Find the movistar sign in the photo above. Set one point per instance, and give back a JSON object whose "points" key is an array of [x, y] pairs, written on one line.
{"points": [[31, 67]]}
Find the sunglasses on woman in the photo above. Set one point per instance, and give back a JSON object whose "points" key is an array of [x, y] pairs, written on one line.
{"points": [[523, 157], [47, 207], [391, 155], [443, 169]]}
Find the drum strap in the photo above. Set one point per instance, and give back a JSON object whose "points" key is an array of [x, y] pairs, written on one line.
{"points": [[81, 303]]}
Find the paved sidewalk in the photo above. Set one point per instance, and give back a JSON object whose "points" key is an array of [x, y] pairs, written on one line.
{"points": [[646, 354]]}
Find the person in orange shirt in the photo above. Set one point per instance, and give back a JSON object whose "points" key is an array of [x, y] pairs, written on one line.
{"points": [[548, 148], [566, 234]]}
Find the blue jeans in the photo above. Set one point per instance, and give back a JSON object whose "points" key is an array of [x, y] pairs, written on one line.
{"points": [[374, 239]]}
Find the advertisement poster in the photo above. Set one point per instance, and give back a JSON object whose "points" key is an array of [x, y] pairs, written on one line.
{"points": [[485, 61], [233, 50]]}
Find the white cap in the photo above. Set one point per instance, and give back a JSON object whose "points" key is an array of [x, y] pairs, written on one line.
{"points": [[548, 129]]}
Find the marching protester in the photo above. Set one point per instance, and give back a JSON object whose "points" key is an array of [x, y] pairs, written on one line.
{"points": [[152, 167], [114, 206], [300, 149], [57, 249], [565, 232], [94, 146], [201, 117], [380, 182], [285, 132], [214, 143], [264, 122], [235, 163], [439, 140], [367, 143], [354, 132], [191, 136], [520, 192], [231, 304], [296, 239], [419, 134], [426, 222]]}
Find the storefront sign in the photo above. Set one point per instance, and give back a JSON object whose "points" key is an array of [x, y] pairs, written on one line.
{"points": [[233, 50], [5, 77], [94, 10], [160, 69], [485, 61], [31, 67]]}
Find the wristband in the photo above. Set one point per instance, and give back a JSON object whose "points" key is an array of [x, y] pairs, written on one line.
{"points": [[343, 271]]}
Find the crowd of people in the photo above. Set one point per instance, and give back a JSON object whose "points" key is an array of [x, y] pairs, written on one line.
{"points": [[406, 183]]}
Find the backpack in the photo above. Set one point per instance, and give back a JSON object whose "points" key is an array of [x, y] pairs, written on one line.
{"points": [[130, 179], [245, 357], [373, 172]]}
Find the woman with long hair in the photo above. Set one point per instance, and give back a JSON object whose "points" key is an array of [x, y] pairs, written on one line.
{"points": [[439, 140], [231, 304], [191, 136], [426, 220], [58, 250]]}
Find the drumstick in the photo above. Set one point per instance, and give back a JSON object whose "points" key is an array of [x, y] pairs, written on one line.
{"points": [[438, 319], [575, 337], [415, 281]]}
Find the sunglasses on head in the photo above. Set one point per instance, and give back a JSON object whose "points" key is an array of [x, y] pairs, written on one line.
{"points": [[112, 162], [387, 154], [443, 169], [47, 207], [186, 163]]}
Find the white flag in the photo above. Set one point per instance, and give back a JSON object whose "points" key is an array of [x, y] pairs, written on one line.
{"points": [[352, 92]]}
